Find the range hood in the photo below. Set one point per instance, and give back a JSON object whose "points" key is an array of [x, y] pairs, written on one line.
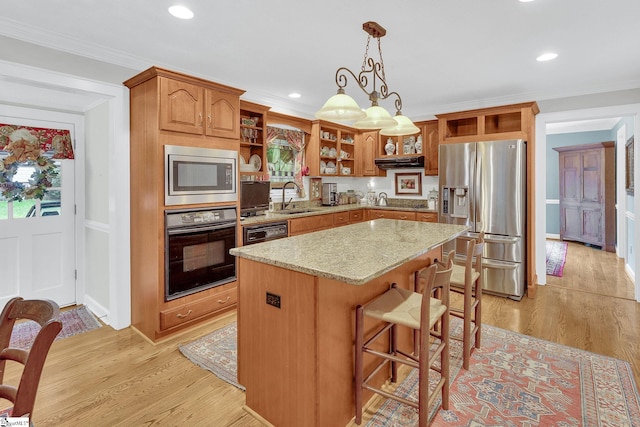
{"points": [[400, 162]]}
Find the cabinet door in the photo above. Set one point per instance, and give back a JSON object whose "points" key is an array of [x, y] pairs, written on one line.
{"points": [[430, 147], [591, 176], [223, 114], [592, 226], [368, 152], [181, 106]]}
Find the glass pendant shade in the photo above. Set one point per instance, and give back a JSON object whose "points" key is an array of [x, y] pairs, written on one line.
{"points": [[377, 118], [403, 126], [340, 107]]}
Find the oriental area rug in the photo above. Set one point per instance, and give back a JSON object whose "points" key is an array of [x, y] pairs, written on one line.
{"points": [[556, 257], [514, 381], [74, 321]]}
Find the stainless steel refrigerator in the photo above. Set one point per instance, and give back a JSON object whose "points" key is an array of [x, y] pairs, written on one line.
{"points": [[482, 184]]}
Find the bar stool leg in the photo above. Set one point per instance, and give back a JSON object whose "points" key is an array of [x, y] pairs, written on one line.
{"points": [[358, 362]]}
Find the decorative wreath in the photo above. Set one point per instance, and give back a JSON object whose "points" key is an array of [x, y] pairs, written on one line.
{"points": [[26, 153]]}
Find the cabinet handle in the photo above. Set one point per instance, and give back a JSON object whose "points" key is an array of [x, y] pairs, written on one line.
{"points": [[224, 301], [182, 316], [200, 117], [209, 119], [403, 217]]}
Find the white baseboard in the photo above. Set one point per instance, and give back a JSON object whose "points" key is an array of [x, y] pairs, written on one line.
{"points": [[630, 273], [553, 236], [97, 309]]}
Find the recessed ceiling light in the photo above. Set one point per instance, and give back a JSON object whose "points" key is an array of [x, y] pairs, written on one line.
{"points": [[525, 1], [547, 57], [294, 95], [181, 12]]}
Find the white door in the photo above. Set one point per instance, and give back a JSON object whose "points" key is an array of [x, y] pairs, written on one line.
{"points": [[37, 245]]}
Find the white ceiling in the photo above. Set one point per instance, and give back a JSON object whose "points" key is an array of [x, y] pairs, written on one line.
{"points": [[441, 56]]}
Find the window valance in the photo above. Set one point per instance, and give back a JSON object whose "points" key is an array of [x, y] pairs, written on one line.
{"points": [[23, 146]]}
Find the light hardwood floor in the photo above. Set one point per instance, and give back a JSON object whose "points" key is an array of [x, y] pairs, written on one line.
{"points": [[117, 378]]}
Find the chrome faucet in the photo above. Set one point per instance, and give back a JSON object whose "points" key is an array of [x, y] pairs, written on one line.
{"points": [[285, 204]]}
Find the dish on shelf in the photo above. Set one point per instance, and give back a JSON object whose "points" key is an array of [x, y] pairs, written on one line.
{"points": [[255, 161], [242, 160], [247, 168], [333, 152], [324, 151], [331, 165], [323, 166], [329, 170], [345, 171]]}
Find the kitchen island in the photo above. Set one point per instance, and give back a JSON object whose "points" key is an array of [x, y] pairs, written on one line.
{"points": [[296, 312]]}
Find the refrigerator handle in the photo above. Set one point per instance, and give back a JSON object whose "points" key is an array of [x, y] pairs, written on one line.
{"points": [[477, 193]]}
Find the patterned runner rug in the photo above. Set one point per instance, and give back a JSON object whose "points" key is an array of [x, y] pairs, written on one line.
{"points": [[514, 381], [556, 257], [74, 321]]}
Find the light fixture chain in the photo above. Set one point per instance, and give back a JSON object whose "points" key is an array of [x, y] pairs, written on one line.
{"points": [[384, 78], [366, 53]]}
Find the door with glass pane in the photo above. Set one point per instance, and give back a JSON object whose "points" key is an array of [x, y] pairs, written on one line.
{"points": [[37, 238]]}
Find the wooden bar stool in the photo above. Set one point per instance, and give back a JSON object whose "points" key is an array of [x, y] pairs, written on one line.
{"points": [[418, 311], [467, 280]]}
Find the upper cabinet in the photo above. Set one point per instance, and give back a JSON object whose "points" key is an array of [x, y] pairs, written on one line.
{"points": [[507, 122], [253, 151], [332, 150], [195, 106], [430, 146], [368, 146]]}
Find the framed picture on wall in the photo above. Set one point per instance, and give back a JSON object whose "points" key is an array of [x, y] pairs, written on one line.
{"points": [[629, 165], [408, 183]]}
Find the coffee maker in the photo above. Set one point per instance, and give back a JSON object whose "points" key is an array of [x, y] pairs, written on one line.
{"points": [[329, 194]]}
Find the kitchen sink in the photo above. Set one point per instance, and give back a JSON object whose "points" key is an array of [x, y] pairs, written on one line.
{"points": [[295, 211]]}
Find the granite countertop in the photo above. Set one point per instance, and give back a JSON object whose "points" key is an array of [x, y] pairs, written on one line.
{"points": [[320, 210], [356, 253]]}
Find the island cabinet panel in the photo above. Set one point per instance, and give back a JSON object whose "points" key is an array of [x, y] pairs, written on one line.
{"points": [[382, 213], [281, 385], [296, 361]]}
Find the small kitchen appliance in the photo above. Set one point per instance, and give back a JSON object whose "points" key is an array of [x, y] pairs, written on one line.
{"points": [[329, 194]]}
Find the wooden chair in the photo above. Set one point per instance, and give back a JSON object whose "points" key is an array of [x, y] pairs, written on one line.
{"points": [[420, 312], [467, 280], [46, 313]]}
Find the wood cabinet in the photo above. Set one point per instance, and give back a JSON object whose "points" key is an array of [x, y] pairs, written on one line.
{"points": [[168, 108], [331, 150], [203, 109], [368, 148], [390, 214], [587, 194], [427, 216], [505, 122], [253, 120], [430, 146], [312, 223]]}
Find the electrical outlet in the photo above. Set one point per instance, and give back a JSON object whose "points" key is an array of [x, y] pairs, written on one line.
{"points": [[273, 299]]}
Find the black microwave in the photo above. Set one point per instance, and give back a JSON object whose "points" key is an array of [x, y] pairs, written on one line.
{"points": [[199, 175]]}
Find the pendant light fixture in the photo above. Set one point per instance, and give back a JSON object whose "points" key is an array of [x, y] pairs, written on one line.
{"points": [[342, 107]]}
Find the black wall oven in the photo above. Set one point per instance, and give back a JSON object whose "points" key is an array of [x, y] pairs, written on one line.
{"points": [[197, 250]]}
